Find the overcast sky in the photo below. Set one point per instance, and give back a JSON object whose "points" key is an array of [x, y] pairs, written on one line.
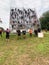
{"points": [[40, 6]]}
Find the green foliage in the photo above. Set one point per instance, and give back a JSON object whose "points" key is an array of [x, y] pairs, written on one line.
{"points": [[45, 20]]}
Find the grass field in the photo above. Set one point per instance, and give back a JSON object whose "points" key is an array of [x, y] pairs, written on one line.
{"points": [[29, 51]]}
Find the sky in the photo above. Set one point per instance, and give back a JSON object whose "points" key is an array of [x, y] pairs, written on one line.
{"points": [[39, 5]]}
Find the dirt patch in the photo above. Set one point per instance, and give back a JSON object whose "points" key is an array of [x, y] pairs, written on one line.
{"points": [[1, 54], [24, 60], [40, 61]]}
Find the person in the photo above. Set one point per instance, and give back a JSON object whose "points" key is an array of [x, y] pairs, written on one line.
{"points": [[36, 32], [18, 33], [36, 29], [30, 32], [7, 34], [39, 30], [1, 32], [24, 33]]}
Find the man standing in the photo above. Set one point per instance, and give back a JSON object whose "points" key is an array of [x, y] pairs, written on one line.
{"points": [[7, 34], [18, 33], [24, 33]]}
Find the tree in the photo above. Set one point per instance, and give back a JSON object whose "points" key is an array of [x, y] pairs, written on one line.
{"points": [[45, 20]]}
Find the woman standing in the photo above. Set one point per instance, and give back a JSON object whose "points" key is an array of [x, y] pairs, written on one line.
{"points": [[7, 34]]}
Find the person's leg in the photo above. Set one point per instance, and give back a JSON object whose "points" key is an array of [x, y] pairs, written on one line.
{"points": [[0, 33], [18, 36], [36, 33], [24, 36], [7, 38], [30, 34]]}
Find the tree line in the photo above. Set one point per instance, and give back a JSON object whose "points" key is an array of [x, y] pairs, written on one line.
{"points": [[45, 20]]}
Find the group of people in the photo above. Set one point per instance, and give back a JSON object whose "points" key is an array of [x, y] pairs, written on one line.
{"points": [[30, 32], [7, 31], [23, 33], [19, 33]]}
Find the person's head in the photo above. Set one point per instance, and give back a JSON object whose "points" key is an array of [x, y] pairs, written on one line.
{"points": [[7, 28]]}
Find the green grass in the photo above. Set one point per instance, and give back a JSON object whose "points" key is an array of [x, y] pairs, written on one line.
{"points": [[29, 51]]}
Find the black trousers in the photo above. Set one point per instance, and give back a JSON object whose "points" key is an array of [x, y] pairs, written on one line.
{"points": [[36, 32]]}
